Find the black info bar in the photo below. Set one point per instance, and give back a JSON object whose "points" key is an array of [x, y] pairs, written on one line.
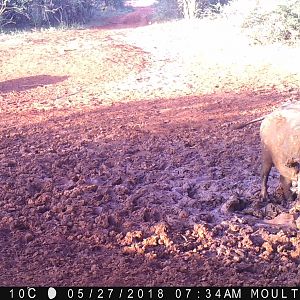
{"points": [[148, 293]]}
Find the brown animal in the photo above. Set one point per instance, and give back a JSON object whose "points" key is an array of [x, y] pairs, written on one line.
{"points": [[280, 140]]}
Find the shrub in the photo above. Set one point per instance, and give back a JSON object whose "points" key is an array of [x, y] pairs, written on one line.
{"points": [[167, 9], [13, 11], [54, 12], [188, 9], [38, 13], [267, 21]]}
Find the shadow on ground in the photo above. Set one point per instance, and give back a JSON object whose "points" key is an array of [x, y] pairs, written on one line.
{"points": [[124, 195], [30, 82]]}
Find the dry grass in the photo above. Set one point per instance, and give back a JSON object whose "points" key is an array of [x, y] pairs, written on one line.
{"points": [[210, 55], [175, 59]]}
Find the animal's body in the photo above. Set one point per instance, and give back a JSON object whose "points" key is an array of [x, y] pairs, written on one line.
{"points": [[280, 139]]}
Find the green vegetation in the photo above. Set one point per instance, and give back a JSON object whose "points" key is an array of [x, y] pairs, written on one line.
{"points": [[280, 23], [19, 14], [188, 9], [263, 21]]}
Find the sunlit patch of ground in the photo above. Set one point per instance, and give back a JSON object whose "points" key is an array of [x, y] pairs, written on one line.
{"points": [[211, 56]]}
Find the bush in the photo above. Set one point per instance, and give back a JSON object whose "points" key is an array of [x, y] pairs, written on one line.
{"points": [[188, 9], [38, 13], [167, 9], [281, 24], [54, 12], [13, 11]]}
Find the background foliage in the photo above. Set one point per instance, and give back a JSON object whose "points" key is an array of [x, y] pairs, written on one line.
{"points": [[279, 22], [263, 21], [188, 9], [38, 13]]}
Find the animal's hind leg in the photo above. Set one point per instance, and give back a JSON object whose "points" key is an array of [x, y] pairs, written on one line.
{"points": [[267, 164], [286, 186]]}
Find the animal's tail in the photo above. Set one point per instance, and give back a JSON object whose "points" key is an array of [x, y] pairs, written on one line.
{"points": [[248, 123]]}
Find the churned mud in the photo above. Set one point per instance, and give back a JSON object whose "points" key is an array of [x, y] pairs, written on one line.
{"points": [[120, 164]]}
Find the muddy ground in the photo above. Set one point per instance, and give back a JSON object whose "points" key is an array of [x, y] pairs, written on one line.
{"points": [[120, 167]]}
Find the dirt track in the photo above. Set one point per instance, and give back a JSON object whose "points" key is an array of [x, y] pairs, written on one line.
{"points": [[119, 165]]}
